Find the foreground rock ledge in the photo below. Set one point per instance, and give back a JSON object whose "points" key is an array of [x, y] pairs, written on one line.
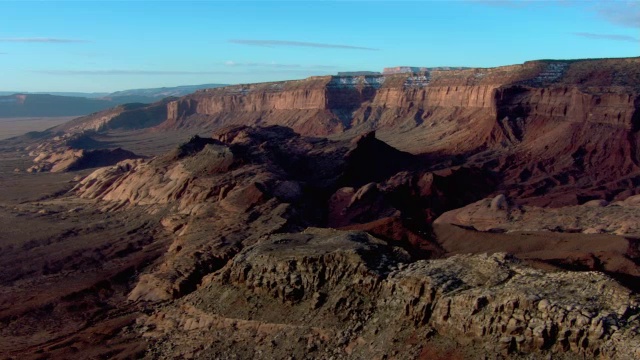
{"points": [[329, 293]]}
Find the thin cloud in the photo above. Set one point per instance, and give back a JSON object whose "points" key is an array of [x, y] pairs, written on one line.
{"points": [[279, 73], [42, 40], [275, 43], [298, 71], [624, 13], [128, 72], [259, 64], [326, 67], [275, 65], [607, 37], [92, 54], [290, 72], [503, 3]]}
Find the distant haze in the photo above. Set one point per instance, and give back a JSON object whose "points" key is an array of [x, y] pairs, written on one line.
{"points": [[19, 105]]}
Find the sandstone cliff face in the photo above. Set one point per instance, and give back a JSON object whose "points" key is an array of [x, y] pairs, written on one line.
{"points": [[551, 89], [435, 105], [570, 104], [343, 101], [481, 96], [569, 139]]}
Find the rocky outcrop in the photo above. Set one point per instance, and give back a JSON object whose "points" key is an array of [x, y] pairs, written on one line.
{"points": [[521, 309], [494, 302], [219, 196], [122, 117], [262, 179], [595, 216], [72, 160], [593, 236]]}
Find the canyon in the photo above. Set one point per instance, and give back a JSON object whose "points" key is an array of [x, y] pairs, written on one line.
{"points": [[440, 214]]}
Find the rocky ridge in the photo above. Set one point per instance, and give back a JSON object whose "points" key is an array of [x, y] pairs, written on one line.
{"points": [[238, 205], [72, 152], [593, 217], [366, 302]]}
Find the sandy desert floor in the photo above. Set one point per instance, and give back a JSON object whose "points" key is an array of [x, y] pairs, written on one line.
{"points": [[66, 265], [10, 127]]}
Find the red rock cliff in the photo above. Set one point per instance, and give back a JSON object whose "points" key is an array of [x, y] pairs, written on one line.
{"points": [[599, 91]]}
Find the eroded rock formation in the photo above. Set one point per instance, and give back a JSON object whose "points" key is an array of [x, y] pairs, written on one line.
{"points": [[328, 293], [238, 205]]}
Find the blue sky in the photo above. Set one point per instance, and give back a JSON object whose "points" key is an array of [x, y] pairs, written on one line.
{"points": [[116, 45]]}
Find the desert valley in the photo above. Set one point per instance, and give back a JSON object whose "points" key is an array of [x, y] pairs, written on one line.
{"points": [[463, 213]]}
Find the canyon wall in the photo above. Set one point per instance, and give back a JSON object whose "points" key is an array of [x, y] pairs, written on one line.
{"points": [[596, 91], [542, 124], [569, 103], [434, 103]]}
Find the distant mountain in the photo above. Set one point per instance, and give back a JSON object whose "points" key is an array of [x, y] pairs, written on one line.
{"points": [[92, 95], [149, 95], [78, 104], [160, 93], [44, 105]]}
